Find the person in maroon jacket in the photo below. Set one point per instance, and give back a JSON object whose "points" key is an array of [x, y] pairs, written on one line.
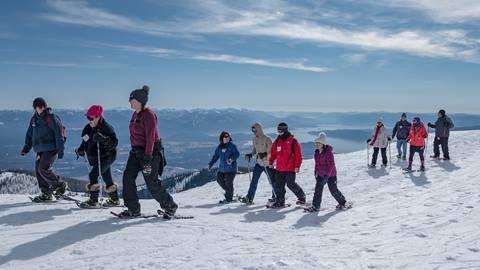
{"points": [[146, 156], [287, 152], [325, 174]]}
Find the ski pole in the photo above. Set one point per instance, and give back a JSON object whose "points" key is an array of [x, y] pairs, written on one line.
{"points": [[249, 174], [390, 154], [270, 180], [426, 144], [99, 171], [368, 155]]}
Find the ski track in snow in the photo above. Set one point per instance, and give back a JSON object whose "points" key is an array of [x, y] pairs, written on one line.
{"points": [[399, 221]]}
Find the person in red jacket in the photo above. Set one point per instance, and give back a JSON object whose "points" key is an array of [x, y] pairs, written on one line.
{"points": [[418, 134], [146, 156], [286, 151]]}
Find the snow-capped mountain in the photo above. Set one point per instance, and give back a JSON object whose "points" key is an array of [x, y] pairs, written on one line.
{"points": [[424, 220]]}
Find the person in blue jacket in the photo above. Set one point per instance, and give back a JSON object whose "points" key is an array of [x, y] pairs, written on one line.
{"points": [[46, 135], [228, 154]]}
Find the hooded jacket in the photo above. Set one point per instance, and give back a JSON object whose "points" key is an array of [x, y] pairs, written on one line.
{"points": [[224, 152], [402, 129], [418, 134], [325, 162], [282, 153], [442, 127], [382, 139], [42, 136], [107, 146], [261, 144]]}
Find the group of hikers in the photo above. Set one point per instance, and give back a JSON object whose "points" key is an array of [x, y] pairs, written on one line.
{"points": [[279, 159]]}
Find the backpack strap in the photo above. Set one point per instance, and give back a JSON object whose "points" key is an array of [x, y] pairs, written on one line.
{"points": [[292, 151]]}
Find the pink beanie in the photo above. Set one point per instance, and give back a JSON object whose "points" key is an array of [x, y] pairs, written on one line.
{"points": [[95, 110]]}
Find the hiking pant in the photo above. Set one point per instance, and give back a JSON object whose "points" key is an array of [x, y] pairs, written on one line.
{"points": [[257, 172], [106, 172], [46, 177], [402, 147], [332, 186], [288, 178], [375, 156], [436, 147], [417, 149], [225, 180]]}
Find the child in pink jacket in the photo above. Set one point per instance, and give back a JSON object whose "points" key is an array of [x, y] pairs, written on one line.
{"points": [[325, 173]]}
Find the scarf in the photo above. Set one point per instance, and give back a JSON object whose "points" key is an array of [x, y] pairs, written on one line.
{"points": [[379, 127]]}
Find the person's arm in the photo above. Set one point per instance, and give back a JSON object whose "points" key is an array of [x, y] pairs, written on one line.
{"points": [[298, 156], [330, 162], [215, 157], [60, 144], [112, 141], [269, 147], [395, 130], [450, 123], [28, 140], [150, 131], [235, 155], [273, 154]]}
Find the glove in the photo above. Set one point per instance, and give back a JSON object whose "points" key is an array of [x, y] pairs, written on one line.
{"points": [[147, 165], [80, 152], [23, 154], [210, 167], [369, 140], [248, 157], [230, 161], [262, 155], [429, 124], [60, 155], [389, 139]]}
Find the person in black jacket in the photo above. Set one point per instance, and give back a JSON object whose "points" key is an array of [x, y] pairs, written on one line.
{"points": [[402, 130], [99, 133], [442, 132]]}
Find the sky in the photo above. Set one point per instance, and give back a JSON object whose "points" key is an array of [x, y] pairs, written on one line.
{"points": [[342, 55]]}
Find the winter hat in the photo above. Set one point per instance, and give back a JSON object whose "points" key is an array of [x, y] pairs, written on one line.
{"points": [[39, 102], [322, 138], [417, 119], [283, 126], [141, 94], [404, 114], [442, 112], [380, 120], [95, 111]]}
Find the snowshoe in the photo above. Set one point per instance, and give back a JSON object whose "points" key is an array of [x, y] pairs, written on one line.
{"points": [[89, 204], [372, 166], [272, 200], [384, 165], [408, 170], [225, 201], [435, 157], [399, 156], [169, 215], [246, 201], [277, 205], [43, 198], [127, 214], [404, 157], [112, 203], [422, 168]]}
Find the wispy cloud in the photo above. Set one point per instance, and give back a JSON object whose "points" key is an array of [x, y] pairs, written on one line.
{"points": [[283, 21], [443, 11], [355, 58], [226, 58], [42, 64]]}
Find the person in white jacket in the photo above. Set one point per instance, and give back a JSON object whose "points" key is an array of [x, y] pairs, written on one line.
{"points": [[379, 141]]}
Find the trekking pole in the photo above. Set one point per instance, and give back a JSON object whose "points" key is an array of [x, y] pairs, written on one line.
{"points": [[426, 144], [99, 171], [368, 156], [249, 174], [270, 180], [390, 154]]}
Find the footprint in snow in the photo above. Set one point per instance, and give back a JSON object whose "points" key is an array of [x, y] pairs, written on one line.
{"points": [[421, 235], [476, 250], [469, 207]]}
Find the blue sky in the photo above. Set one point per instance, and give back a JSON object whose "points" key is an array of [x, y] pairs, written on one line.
{"points": [[343, 55]]}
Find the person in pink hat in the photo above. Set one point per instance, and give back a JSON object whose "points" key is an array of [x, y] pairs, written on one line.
{"points": [[99, 135]]}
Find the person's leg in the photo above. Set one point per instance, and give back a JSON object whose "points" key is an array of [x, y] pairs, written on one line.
{"points": [[130, 174], [42, 184], [45, 169], [158, 191], [375, 156], [410, 158], [110, 186], [271, 179], [399, 147], [436, 147], [280, 181], [332, 186], [293, 186], [317, 197], [93, 188], [404, 145], [221, 180], [384, 156], [446, 153], [421, 152], [257, 172], [229, 190]]}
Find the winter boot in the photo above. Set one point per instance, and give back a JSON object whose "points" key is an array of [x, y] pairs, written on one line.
{"points": [[277, 205], [399, 156], [312, 209], [301, 201], [61, 188], [246, 200], [43, 197], [372, 166], [404, 157], [170, 213], [90, 203], [112, 199], [272, 200], [127, 214]]}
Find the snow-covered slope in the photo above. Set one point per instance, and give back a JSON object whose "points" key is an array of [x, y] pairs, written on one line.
{"points": [[422, 221]]}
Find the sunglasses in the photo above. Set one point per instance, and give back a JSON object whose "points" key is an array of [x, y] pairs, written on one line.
{"points": [[226, 136], [254, 130], [90, 118]]}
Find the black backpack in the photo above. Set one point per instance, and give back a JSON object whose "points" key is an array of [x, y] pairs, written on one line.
{"points": [[292, 151]]}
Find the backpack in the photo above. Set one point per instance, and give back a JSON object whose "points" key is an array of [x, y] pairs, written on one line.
{"points": [[63, 129], [292, 152]]}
